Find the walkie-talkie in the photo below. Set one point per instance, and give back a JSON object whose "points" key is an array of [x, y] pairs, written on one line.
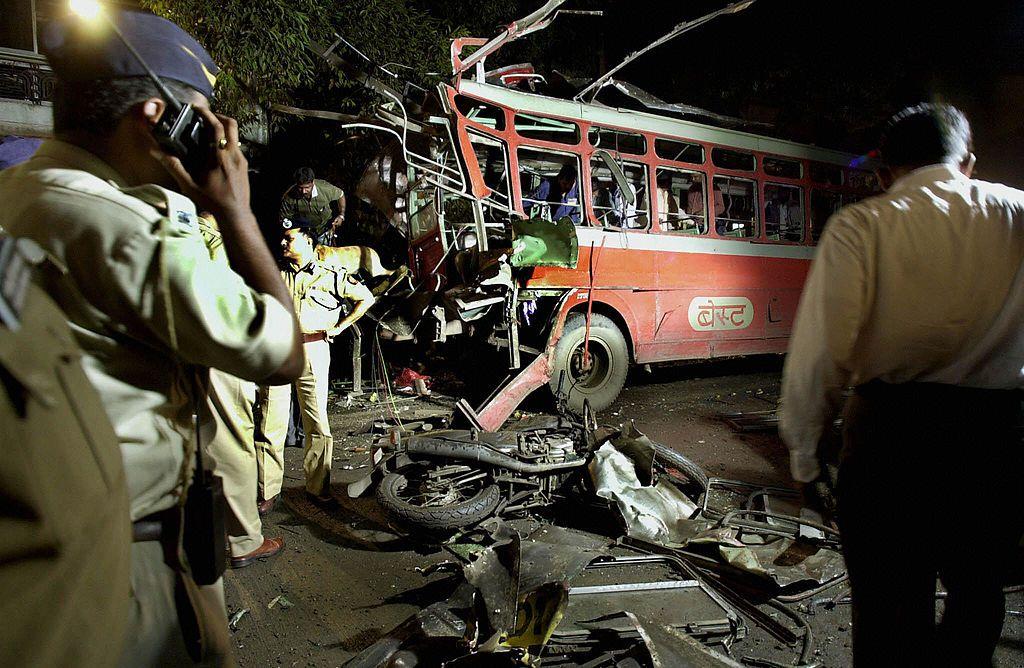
{"points": [[180, 131]]}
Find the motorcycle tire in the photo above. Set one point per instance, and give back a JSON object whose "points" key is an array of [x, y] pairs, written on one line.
{"points": [[676, 460], [435, 518]]}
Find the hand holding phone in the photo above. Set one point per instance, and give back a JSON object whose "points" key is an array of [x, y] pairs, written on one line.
{"points": [[214, 174]]}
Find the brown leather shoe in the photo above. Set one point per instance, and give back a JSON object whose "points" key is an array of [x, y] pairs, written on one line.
{"points": [[270, 547], [265, 507]]}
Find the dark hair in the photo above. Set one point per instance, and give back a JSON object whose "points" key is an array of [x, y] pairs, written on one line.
{"points": [[303, 175], [566, 173], [97, 106], [926, 134]]}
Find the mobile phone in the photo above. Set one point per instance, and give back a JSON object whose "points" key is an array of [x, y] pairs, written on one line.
{"points": [[182, 133]]}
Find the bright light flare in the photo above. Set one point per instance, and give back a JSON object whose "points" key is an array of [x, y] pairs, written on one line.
{"points": [[87, 9]]}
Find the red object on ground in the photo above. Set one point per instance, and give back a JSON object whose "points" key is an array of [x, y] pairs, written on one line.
{"points": [[406, 379]]}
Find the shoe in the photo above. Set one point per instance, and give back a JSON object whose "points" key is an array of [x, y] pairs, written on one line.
{"points": [[266, 507], [270, 547]]}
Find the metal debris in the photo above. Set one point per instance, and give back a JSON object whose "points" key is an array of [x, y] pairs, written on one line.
{"points": [[280, 600], [237, 617]]}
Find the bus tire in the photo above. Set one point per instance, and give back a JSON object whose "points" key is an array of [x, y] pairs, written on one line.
{"points": [[609, 353]]}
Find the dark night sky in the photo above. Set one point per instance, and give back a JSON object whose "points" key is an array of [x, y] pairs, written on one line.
{"points": [[822, 72]]}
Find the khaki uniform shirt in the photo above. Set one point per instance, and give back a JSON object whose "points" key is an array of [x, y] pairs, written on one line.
{"points": [[924, 283], [147, 305], [65, 538], [318, 293], [318, 209]]}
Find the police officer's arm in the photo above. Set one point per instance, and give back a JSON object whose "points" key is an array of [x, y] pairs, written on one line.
{"points": [[362, 299], [224, 190]]}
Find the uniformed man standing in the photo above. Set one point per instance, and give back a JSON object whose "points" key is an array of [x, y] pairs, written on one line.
{"points": [[232, 449], [149, 308], [317, 201], [63, 572], [321, 290]]}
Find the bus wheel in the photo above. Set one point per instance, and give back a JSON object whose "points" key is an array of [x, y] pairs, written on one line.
{"points": [[601, 380]]}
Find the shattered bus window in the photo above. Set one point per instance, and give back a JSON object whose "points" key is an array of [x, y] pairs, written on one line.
{"points": [[823, 205], [788, 169], [550, 184], [738, 160], [783, 212], [739, 215], [480, 112], [547, 129], [491, 156], [862, 180], [611, 208], [829, 175], [682, 201], [618, 141], [679, 151]]}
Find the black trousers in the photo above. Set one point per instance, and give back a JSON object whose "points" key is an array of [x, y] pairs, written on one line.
{"points": [[929, 485]]}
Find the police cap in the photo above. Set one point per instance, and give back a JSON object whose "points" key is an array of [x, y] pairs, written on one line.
{"points": [[298, 223], [87, 50]]}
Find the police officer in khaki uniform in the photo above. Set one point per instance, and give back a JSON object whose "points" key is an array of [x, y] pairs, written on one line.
{"points": [[232, 449], [63, 572], [149, 308], [321, 290]]}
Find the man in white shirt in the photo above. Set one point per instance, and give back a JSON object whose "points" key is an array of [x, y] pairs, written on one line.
{"points": [[916, 299]]}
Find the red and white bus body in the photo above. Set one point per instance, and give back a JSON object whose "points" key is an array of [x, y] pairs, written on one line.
{"points": [[679, 287]]}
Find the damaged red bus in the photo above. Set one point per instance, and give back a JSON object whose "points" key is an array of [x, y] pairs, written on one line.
{"points": [[708, 260], [584, 238]]}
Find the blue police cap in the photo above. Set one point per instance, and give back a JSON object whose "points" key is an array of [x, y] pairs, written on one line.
{"points": [[81, 50]]}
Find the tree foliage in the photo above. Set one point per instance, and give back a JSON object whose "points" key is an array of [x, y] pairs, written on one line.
{"points": [[263, 48]]}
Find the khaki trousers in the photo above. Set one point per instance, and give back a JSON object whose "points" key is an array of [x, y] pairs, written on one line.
{"points": [[311, 390], [163, 603], [232, 456]]}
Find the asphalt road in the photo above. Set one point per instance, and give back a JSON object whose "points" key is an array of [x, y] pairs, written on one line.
{"points": [[346, 577]]}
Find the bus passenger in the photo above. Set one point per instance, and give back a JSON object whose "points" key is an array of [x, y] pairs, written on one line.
{"points": [[668, 207], [562, 192]]}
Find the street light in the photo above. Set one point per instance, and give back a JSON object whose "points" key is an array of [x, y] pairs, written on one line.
{"points": [[86, 9]]}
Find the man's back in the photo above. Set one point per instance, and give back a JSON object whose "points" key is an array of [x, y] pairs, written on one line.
{"points": [[920, 273]]}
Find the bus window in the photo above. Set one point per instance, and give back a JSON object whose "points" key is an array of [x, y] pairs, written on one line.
{"points": [[490, 155], [616, 140], [547, 129], [738, 160], [787, 169], [550, 184], [682, 201], [738, 217], [679, 151], [823, 205], [829, 175], [862, 180], [610, 208], [783, 212], [480, 112]]}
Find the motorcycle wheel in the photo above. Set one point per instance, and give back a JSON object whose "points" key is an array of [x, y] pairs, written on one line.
{"points": [[690, 470], [440, 504]]}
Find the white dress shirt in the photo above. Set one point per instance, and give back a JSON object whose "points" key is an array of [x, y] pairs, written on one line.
{"points": [[923, 283]]}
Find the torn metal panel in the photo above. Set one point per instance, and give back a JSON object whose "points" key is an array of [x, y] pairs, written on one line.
{"points": [[658, 513], [655, 103], [542, 243], [438, 633], [787, 562]]}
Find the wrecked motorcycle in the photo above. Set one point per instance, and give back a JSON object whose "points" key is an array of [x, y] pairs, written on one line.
{"points": [[444, 481]]}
